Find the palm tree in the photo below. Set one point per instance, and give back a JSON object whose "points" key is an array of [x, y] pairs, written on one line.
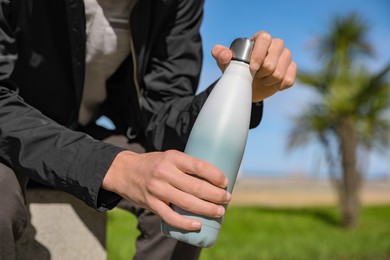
{"points": [[349, 119]]}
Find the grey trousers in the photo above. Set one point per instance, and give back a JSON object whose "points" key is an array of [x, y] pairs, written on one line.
{"points": [[14, 217], [13, 212]]}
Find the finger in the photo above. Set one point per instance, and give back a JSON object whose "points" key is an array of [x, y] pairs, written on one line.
{"points": [[262, 42], [289, 79], [166, 192], [222, 56], [271, 61], [200, 188], [203, 170], [174, 219], [280, 71], [174, 172], [189, 202]]}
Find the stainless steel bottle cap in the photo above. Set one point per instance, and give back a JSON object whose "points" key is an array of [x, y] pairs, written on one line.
{"points": [[242, 49]]}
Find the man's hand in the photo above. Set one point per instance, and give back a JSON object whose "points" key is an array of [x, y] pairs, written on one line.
{"points": [[271, 64], [155, 180]]}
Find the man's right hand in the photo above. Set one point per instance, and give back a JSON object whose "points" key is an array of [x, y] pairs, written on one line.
{"points": [[156, 180]]}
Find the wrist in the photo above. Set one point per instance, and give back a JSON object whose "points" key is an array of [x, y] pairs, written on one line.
{"points": [[113, 178]]}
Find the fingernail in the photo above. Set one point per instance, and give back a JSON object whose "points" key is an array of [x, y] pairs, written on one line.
{"points": [[226, 183], [228, 197], [223, 57], [196, 225], [255, 67], [220, 211]]}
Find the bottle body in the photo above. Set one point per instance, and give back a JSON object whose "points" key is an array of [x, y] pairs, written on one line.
{"points": [[219, 137]]}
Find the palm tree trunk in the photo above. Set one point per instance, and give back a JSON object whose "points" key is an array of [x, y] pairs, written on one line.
{"points": [[349, 188]]}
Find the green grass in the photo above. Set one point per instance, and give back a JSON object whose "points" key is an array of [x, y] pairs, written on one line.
{"points": [[277, 233]]}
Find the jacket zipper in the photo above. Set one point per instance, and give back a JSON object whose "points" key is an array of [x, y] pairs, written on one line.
{"points": [[131, 135], [134, 60]]}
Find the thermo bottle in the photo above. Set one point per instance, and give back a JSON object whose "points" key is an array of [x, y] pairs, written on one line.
{"points": [[219, 135]]}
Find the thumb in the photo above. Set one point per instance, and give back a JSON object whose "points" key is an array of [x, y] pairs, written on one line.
{"points": [[222, 56]]}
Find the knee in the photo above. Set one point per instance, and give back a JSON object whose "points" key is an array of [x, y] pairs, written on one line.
{"points": [[13, 213], [13, 217]]}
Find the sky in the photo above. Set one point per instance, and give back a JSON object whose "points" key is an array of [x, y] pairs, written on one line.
{"points": [[298, 23]]}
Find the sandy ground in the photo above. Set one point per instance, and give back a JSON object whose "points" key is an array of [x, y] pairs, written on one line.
{"points": [[298, 192]]}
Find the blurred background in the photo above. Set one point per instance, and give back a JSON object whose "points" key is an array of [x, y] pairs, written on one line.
{"points": [[300, 24], [315, 177]]}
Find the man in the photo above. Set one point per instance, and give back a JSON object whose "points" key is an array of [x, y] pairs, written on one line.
{"points": [[150, 99]]}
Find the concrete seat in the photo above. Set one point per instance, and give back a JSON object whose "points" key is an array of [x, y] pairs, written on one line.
{"points": [[62, 227]]}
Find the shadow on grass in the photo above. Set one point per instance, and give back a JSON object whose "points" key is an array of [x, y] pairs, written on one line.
{"points": [[327, 216]]}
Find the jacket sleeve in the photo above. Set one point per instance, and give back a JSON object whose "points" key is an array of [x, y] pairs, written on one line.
{"points": [[168, 99], [33, 145]]}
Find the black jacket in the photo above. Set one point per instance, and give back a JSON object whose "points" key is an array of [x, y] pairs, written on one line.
{"points": [[151, 98]]}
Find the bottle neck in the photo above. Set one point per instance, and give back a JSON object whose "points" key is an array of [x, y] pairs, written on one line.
{"points": [[236, 66], [240, 60]]}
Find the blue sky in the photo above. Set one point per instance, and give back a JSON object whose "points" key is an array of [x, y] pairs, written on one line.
{"points": [[298, 23]]}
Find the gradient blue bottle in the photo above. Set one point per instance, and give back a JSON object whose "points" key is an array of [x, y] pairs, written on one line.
{"points": [[219, 136]]}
